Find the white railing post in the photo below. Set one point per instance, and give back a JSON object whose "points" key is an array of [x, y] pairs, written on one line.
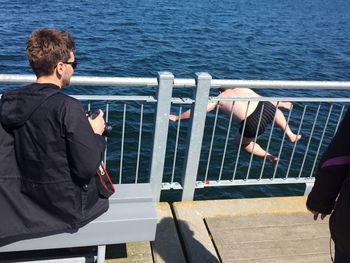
{"points": [[160, 134], [101, 254], [195, 135], [308, 188]]}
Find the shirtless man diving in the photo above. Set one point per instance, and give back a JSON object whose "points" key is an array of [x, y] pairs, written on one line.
{"points": [[239, 113]]}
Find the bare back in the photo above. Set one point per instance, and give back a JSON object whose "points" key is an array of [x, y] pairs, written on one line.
{"points": [[239, 108]]}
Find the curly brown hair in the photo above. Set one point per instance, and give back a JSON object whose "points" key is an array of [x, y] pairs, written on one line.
{"points": [[46, 47]]}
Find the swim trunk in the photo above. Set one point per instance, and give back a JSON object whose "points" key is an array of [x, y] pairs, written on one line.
{"points": [[252, 120]]}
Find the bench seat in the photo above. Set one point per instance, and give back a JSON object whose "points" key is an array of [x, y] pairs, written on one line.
{"points": [[131, 217]]}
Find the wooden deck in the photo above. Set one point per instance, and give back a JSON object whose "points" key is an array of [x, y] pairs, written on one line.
{"points": [[269, 238], [242, 230]]}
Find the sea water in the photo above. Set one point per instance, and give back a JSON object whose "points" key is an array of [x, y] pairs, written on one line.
{"points": [[241, 39]]}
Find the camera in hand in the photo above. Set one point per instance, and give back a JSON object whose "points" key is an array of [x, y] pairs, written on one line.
{"points": [[108, 127]]}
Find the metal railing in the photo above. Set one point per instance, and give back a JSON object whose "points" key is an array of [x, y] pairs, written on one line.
{"points": [[201, 152]]}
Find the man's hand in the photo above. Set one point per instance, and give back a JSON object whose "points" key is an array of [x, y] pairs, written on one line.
{"points": [[173, 117], [98, 123], [316, 214]]}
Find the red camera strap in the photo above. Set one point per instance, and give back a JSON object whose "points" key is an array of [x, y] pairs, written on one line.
{"points": [[105, 184]]}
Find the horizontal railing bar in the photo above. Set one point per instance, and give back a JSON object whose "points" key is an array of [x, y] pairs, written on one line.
{"points": [[293, 99], [16, 78], [238, 182], [114, 81], [210, 183], [182, 82], [287, 84], [99, 81], [86, 80], [115, 97]]}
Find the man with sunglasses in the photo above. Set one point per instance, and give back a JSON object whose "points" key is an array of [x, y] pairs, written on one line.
{"points": [[56, 148]]}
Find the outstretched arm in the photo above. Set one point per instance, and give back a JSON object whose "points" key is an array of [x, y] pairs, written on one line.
{"points": [[187, 114]]}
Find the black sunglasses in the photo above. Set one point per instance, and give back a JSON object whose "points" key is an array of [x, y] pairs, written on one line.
{"points": [[74, 63]]}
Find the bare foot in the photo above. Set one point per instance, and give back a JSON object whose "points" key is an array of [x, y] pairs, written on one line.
{"points": [[294, 137], [285, 105]]}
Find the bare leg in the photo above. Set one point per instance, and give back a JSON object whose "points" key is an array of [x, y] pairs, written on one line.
{"points": [[249, 146], [281, 122]]}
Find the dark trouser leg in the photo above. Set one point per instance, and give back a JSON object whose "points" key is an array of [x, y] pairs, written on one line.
{"points": [[341, 257]]}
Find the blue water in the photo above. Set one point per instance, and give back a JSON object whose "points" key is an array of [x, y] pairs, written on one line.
{"points": [[242, 39]]}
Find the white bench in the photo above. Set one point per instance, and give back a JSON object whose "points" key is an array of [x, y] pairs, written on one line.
{"points": [[131, 217]]}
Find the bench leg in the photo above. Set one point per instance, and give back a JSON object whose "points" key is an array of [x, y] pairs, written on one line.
{"points": [[101, 254]]}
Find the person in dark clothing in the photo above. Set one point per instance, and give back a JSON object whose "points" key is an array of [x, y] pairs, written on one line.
{"points": [[50, 151], [248, 114], [331, 191]]}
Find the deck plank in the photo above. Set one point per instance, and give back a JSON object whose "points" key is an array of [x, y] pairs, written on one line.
{"points": [[277, 237]]}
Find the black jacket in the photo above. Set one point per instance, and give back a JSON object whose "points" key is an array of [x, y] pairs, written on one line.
{"points": [[49, 158], [331, 191]]}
